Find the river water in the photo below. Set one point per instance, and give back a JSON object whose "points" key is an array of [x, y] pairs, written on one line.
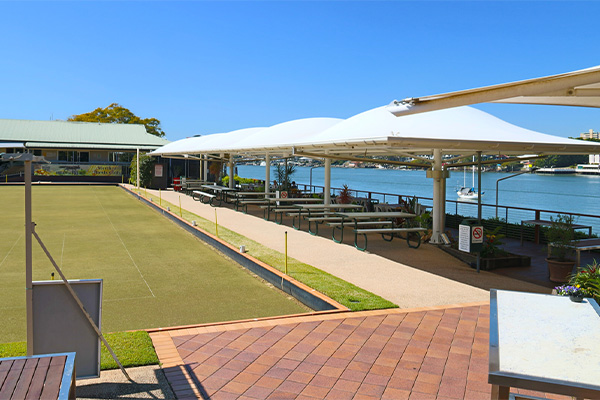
{"points": [[560, 193]]}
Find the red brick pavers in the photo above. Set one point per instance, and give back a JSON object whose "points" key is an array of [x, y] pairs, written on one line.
{"points": [[433, 353]]}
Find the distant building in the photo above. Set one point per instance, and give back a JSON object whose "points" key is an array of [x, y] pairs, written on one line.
{"points": [[77, 151], [590, 135]]}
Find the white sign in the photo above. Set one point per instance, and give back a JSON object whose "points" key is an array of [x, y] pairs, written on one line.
{"points": [[284, 194], [158, 170], [464, 238], [477, 234]]}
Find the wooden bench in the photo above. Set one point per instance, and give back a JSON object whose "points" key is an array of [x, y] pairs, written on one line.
{"points": [[412, 234], [542, 222], [203, 195], [246, 203], [49, 376]]}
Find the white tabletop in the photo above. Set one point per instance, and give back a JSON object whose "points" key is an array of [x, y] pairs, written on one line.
{"points": [[545, 337], [295, 200], [377, 214], [328, 206]]}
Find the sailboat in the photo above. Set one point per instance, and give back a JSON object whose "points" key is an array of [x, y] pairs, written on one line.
{"points": [[465, 192]]}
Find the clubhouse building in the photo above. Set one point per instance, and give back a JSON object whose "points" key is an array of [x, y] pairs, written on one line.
{"points": [[77, 151]]}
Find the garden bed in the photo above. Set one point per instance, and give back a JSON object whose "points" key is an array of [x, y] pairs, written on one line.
{"points": [[488, 264]]}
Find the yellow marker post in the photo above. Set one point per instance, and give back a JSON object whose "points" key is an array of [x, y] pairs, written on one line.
{"points": [[146, 191], [159, 197], [216, 224], [286, 253], [180, 214]]}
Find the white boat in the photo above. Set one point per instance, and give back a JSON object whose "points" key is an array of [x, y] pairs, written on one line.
{"points": [[263, 163], [465, 192]]}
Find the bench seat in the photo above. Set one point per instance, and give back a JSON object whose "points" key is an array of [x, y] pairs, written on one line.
{"points": [[204, 195]]}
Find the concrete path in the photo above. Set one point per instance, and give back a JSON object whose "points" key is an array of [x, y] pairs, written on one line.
{"points": [[400, 283]]}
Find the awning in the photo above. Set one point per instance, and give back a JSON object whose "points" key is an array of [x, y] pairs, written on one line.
{"points": [[87, 146], [4, 145]]}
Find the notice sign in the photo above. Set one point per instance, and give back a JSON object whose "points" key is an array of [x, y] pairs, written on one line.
{"points": [[477, 234], [158, 170], [464, 238]]}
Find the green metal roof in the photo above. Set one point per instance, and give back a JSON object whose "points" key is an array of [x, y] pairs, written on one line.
{"points": [[99, 146], [78, 134]]}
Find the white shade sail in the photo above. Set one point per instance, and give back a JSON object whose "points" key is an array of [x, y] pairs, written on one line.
{"points": [[578, 88], [377, 132]]}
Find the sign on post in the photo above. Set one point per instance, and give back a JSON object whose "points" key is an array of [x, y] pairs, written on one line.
{"points": [[464, 238], [477, 234]]}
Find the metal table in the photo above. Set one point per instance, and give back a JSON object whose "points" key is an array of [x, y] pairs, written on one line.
{"points": [[357, 219], [545, 343], [322, 211], [290, 201]]}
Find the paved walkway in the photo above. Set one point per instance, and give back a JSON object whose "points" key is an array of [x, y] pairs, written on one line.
{"points": [[428, 353], [426, 276]]}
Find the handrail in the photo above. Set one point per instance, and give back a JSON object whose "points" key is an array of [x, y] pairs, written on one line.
{"points": [[369, 194]]}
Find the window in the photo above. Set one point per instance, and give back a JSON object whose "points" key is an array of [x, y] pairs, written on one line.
{"points": [[84, 156]]}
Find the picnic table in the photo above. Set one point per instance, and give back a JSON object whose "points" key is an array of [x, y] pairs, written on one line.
{"points": [[382, 222], [543, 222], [319, 213], [279, 205], [247, 198], [545, 343], [579, 246], [49, 376], [220, 192]]}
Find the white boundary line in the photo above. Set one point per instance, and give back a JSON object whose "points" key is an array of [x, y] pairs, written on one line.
{"points": [[11, 249], [124, 246]]}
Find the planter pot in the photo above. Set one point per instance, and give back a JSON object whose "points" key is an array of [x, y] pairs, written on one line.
{"points": [[576, 299], [560, 271]]}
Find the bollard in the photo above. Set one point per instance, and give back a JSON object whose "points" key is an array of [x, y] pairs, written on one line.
{"points": [[180, 214], [159, 197], [216, 224], [286, 253]]}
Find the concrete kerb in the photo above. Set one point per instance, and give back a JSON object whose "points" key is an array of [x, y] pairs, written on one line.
{"points": [[303, 293]]}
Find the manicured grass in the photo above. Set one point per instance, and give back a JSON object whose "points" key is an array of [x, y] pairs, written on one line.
{"points": [[351, 296], [155, 273], [133, 349]]}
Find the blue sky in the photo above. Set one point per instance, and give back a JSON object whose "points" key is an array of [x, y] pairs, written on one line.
{"points": [[207, 67]]}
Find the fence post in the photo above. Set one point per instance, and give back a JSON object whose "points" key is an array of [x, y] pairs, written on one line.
{"points": [[537, 228]]}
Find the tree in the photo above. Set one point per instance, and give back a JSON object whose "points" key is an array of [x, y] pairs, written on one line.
{"points": [[146, 164], [559, 161], [117, 114]]}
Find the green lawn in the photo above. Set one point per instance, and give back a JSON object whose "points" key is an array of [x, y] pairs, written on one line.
{"points": [[351, 296], [132, 348], [155, 274]]}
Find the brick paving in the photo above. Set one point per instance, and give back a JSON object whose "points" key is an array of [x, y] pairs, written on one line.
{"points": [[427, 353]]}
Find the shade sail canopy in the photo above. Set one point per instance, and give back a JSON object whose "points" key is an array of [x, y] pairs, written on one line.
{"points": [[377, 132], [454, 131], [578, 88], [278, 139]]}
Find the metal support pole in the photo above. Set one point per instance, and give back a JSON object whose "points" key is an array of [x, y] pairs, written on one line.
{"points": [[327, 189], [231, 173], [437, 197], [137, 164], [28, 259], [267, 173], [479, 187], [479, 203]]}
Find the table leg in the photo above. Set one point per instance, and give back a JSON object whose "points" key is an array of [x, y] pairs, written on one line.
{"points": [[500, 392]]}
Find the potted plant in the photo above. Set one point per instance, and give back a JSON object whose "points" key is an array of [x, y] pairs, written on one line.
{"points": [[345, 197], [575, 293], [560, 237]]}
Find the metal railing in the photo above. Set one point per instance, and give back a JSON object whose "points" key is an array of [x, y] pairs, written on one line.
{"points": [[509, 216]]}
